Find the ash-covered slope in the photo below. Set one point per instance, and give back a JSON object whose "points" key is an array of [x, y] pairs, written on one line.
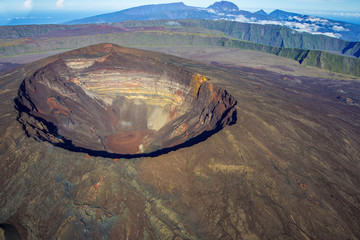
{"points": [[106, 99], [287, 169]]}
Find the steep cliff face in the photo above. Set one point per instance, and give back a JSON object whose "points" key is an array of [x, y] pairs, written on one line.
{"points": [[264, 38], [110, 100]]}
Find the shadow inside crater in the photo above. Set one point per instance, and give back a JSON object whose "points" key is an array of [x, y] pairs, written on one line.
{"points": [[9, 232], [67, 144]]}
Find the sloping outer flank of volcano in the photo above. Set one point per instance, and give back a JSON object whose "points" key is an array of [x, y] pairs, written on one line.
{"points": [[287, 169]]}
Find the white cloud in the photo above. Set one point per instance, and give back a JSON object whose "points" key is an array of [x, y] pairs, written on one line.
{"points": [[264, 22], [310, 28], [334, 35], [312, 25], [298, 18], [340, 29], [303, 27], [346, 14], [173, 23], [242, 18], [317, 20], [28, 4], [59, 4]]}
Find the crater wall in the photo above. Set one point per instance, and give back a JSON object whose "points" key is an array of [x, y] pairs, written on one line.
{"points": [[109, 99]]}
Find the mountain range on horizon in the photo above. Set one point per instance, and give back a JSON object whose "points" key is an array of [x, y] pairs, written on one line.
{"points": [[176, 23], [225, 10]]}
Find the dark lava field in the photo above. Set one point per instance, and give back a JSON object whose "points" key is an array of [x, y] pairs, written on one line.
{"points": [[247, 146]]}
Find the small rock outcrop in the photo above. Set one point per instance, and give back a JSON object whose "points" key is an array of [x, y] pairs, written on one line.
{"points": [[105, 99], [348, 100]]}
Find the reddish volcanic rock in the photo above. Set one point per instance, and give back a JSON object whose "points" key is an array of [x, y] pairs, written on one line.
{"points": [[105, 99]]}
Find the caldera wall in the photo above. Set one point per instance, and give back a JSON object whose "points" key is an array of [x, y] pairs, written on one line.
{"points": [[108, 99]]}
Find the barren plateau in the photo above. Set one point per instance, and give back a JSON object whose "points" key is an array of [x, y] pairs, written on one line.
{"points": [[288, 168]]}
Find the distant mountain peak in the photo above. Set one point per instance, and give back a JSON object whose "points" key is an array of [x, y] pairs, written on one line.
{"points": [[282, 14], [175, 4], [261, 12], [224, 6], [162, 7]]}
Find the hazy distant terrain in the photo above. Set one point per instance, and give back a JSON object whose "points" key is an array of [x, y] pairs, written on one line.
{"points": [[229, 11], [314, 50]]}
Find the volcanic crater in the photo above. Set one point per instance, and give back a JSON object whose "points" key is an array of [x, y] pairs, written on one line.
{"points": [[110, 100]]}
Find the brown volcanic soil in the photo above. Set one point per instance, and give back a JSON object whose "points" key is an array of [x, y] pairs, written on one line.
{"points": [[288, 169], [9, 63], [126, 142]]}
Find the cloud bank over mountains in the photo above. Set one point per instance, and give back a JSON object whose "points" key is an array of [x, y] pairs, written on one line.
{"points": [[309, 24], [297, 22]]}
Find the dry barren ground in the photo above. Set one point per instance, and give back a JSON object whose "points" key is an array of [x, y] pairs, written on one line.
{"points": [[288, 169]]}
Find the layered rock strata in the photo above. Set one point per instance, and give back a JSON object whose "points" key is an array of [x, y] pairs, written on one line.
{"points": [[109, 99]]}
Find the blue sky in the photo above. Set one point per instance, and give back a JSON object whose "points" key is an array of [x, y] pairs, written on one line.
{"points": [[18, 12], [110, 5]]}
